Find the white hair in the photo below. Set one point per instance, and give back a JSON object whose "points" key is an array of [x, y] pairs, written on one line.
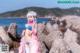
{"points": [[31, 13]]}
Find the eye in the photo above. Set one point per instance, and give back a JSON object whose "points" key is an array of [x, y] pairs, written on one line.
{"points": [[30, 16]]}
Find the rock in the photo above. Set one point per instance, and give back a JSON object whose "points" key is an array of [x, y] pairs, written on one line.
{"points": [[41, 36], [49, 34], [12, 32], [49, 27], [1, 41], [73, 21], [41, 27], [4, 36], [43, 48], [52, 21], [49, 39], [6, 28], [55, 27], [12, 29], [59, 46], [70, 38], [41, 32]]}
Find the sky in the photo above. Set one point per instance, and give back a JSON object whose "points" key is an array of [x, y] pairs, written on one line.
{"points": [[11, 5]]}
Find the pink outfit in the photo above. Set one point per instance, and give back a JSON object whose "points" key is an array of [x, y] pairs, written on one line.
{"points": [[34, 44]]}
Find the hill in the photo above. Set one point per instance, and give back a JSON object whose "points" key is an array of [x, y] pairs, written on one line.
{"points": [[42, 12]]}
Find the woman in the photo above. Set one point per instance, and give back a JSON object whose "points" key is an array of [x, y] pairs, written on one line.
{"points": [[29, 42]]}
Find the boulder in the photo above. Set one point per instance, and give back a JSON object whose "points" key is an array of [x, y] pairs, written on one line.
{"points": [[73, 21], [59, 46], [12, 29], [43, 47], [49, 27], [4, 36], [1, 41], [41, 27], [70, 38], [49, 39]]}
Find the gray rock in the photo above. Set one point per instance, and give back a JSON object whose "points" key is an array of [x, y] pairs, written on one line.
{"points": [[43, 48], [4, 36], [59, 46], [1, 41], [70, 38], [40, 27], [49, 27], [12, 29], [73, 21], [49, 39]]}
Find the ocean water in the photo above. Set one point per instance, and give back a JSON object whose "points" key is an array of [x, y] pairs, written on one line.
{"points": [[20, 22]]}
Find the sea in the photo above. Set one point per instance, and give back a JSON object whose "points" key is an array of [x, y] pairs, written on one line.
{"points": [[20, 22]]}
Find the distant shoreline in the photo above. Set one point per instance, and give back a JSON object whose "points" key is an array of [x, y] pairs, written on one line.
{"points": [[42, 12]]}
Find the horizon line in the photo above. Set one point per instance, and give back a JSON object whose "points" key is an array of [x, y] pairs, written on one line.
{"points": [[37, 7]]}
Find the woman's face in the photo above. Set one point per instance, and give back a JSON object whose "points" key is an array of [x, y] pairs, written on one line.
{"points": [[31, 18]]}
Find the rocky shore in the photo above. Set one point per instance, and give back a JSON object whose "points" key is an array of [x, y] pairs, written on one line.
{"points": [[56, 36]]}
